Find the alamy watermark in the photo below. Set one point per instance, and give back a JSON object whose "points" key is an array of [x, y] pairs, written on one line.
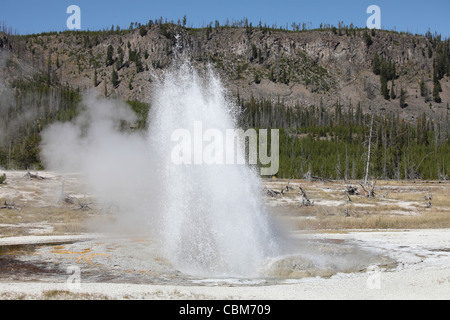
{"points": [[226, 147], [374, 279], [74, 20], [374, 21], [74, 280]]}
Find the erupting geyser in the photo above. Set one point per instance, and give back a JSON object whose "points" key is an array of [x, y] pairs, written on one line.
{"points": [[212, 217], [209, 219]]}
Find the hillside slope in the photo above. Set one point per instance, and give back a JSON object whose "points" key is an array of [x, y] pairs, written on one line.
{"points": [[318, 67]]}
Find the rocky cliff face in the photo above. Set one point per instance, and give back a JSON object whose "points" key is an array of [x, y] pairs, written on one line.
{"points": [[321, 68]]}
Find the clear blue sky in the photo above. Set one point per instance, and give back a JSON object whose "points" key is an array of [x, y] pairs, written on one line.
{"points": [[50, 15]]}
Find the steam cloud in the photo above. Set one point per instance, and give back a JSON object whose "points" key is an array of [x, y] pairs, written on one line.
{"points": [[209, 218], [115, 164]]}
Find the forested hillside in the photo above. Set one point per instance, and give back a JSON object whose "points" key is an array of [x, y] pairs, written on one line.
{"points": [[332, 91], [334, 144]]}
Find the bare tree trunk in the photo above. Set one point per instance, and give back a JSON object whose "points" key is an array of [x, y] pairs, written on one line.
{"points": [[9, 154], [405, 168], [353, 169], [301, 162], [338, 165], [346, 163], [305, 200], [366, 179], [385, 158], [436, 151], [292, 154]]}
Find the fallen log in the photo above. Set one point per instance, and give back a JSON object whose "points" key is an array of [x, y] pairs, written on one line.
{"points": [[352, 190], [309, 177], [273, 193], [9, 206], [29, 175]]}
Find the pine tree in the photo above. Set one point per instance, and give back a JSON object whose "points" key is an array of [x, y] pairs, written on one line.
{"points": [[423, 88], [109, 56], [402, 98], [367, 39], [257, 78], [115, 79], [143, 31], [95, 78], [271, 75], [392, 94], [442, 61], [391, 71], [436, 81], [254, 52], [130, 84], [49, 68], [436, 95], [394, 71], [119, 62], [376, 64], [384, 87], [139, 66], [436, 87]]}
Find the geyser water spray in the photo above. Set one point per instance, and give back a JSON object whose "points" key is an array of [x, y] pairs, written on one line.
{"points": [[213, 221], [209, 219]]}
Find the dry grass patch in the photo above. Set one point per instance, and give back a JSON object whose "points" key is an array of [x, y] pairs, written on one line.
{"points": [[68, 295], [441, 200], [64, 220], [396, 205], [428, 220]]}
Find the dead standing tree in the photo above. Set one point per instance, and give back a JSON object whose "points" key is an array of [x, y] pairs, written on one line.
{"points": [[84, 206], [350, 190], [428, 199], [369, 145], [288, 187], [305, 200], [65, 197], [370, 193]]}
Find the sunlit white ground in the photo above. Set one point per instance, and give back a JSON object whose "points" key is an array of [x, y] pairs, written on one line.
{"points": [[369, 264], [422, 272]]}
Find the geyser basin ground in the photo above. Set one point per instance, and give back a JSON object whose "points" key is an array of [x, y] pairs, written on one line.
{"points": [[113, 269], [45, 237], [140, 261]]}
